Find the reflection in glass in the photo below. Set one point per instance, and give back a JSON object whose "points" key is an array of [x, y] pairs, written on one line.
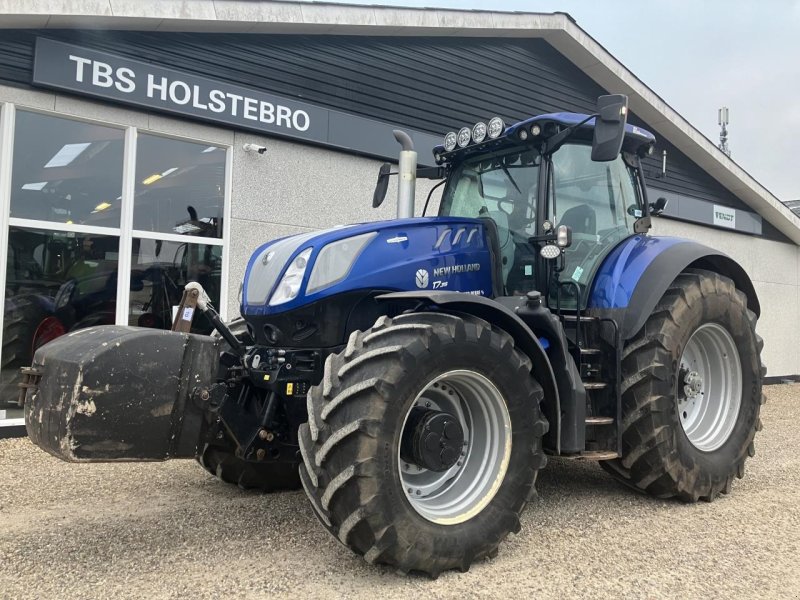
{"points": [[55, 282], [180, 187], [159, 272], [66, 171]]}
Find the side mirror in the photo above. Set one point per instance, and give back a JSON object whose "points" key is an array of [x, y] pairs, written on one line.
{"points": [[609, 127], [658, 206], [381, 186]]}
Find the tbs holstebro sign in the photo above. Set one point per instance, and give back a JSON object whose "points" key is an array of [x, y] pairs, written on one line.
{"points": [[98, 74], [103, 75]]}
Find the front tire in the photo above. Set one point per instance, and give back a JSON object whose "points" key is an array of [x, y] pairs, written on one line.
{"points": [[222, 463], [691, 392], [397, 509]]}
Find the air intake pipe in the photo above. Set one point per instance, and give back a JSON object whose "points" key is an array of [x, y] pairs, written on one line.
{"points": [[407, 175]]}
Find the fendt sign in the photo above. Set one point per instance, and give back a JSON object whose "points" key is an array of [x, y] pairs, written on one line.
{"points": [[101, 75]]}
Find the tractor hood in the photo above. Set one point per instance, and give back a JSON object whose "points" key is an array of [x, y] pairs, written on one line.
{"points": [[445, 253]]}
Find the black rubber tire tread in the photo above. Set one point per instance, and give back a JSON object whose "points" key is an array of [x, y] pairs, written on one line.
{"points": [[222, 463], [657, 457], [349, 443], [16, 354], [266, 477], [19, 326]]}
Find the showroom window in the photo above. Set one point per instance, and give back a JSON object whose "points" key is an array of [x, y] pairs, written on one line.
{"points": [[102, 224], [66, 171]]}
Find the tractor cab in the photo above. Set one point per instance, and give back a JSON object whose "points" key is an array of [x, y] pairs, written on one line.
{"points": [[541, 176]]}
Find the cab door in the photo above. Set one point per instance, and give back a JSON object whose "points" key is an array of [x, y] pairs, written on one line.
{"points": [[599, 201]]}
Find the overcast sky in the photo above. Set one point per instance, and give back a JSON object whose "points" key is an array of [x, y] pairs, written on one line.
{"points": [[699, 56]]}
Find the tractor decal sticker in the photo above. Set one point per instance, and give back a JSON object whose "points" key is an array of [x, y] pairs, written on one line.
{"points": [[455, 269], [422, 278], [442, 237], [456, 238]]}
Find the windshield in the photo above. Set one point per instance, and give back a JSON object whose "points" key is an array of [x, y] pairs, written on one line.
{"points": [[501, 187]]}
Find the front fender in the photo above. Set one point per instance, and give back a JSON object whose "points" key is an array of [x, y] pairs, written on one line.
{"points": [[502, 317], [636, 274]]}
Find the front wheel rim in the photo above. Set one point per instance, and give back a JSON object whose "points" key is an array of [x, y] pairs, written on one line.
{"points": [[462, 491], [709, 387]]}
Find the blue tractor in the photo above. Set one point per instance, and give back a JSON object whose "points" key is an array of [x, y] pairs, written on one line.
{"points": [[413, 375]]}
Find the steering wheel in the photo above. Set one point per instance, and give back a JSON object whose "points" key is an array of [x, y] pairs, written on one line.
{"points": [[504, 201]]}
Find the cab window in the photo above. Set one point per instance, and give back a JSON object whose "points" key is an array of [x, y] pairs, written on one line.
{"points": [[598, 201], [502, 188]]}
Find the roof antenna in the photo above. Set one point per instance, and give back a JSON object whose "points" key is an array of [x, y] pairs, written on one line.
{"points": [[723, 118]]}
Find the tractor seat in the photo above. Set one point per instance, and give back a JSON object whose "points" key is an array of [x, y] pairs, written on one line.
{"points": [[581, 219]]}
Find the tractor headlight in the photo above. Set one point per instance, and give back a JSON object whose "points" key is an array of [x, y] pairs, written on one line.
{"points": [[479, 132], [289, 286], [495, 128], [550, 251], [335, 260], [450, 141], [463, 137]]}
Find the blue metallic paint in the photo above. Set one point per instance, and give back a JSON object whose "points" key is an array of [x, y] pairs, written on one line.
{"points": [[620, 272], [391, 263], [568, 119]]}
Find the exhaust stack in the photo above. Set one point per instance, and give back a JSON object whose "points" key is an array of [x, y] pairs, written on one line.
{"points": [[407, 174]]}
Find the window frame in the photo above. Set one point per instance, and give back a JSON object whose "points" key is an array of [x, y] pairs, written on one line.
{"points": [[125, 232]]}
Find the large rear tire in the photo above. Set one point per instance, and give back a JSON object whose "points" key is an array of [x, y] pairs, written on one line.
{"points": [[359, 470], [19, 328], [220, 460], [691, 392]]}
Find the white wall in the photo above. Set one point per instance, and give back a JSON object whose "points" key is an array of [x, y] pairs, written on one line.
{"points": [[774, 268]]}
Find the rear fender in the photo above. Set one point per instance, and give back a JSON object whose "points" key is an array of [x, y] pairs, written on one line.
{"points": [[506, 320], [637, 273]]}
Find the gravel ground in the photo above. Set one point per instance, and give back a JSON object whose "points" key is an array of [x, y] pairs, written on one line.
{"points": [[169, 530]]}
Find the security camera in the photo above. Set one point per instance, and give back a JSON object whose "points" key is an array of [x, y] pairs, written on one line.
{"points": [[254, 148]]}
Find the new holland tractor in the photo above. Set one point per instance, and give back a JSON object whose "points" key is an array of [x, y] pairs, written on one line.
{"points": [[413, 375]]}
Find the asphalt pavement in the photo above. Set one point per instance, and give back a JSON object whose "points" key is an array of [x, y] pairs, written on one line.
{"points": [[169, 530]]}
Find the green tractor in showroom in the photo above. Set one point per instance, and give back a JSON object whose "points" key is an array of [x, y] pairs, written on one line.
{"points": [[414, 374]]}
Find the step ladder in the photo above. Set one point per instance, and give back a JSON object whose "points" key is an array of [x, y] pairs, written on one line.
{"points": [[596, 346]]}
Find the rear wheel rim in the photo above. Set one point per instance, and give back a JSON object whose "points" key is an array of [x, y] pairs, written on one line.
{"points": [[462, 491], [709, 387]]}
